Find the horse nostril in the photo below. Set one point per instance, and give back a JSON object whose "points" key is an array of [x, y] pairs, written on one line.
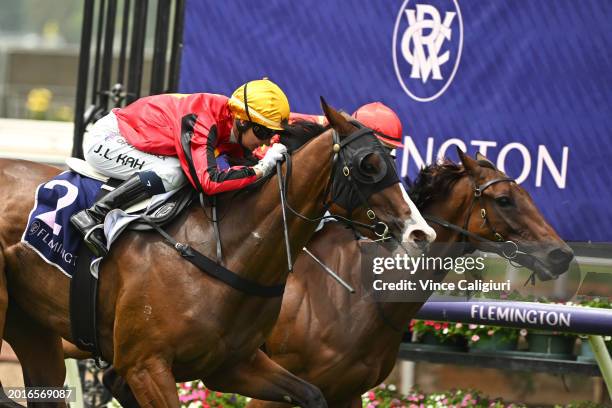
{"points": [[560, 257], [420, 238]]}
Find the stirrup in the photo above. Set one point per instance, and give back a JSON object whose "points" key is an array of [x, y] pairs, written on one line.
{"points": [[92, 229], [98, 250]]}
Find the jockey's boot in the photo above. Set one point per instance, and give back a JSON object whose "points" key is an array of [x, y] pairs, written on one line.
{"points": [[89, 222]]}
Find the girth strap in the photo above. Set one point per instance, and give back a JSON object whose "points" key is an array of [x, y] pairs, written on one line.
{"points": [[83, 304], [217, 271]]}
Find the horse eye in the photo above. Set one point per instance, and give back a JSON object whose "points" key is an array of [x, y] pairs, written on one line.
{"points": [[369, 168], [368, 164], [504, 201]]}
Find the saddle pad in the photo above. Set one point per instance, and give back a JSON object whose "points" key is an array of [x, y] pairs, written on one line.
{"points": [[49, 232]]}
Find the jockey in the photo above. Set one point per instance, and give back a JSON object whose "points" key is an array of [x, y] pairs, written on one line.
{"points": [[142, 144], [377, 116]]}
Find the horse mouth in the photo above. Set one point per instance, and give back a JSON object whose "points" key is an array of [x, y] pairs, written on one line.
{"points": [[543, 271], [546, 272]]}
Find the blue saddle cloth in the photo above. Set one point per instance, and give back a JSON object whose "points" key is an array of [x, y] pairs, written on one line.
{"points": [[49, 231]]}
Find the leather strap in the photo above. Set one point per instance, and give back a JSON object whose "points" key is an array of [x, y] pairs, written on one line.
{"points": [[215, 221], [217, 271]]}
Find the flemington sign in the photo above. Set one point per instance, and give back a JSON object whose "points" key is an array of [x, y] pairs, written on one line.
{"points": [[560, 318]]}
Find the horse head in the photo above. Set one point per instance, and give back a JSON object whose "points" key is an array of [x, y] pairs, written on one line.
{"points": [[505, 212], [365, 186]]}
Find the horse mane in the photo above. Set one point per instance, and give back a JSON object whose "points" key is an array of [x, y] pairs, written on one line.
{"points": [[300, 132], [434, 182]]}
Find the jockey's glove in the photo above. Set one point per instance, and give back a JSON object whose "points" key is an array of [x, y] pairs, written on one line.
{"points": [[273, 155]]}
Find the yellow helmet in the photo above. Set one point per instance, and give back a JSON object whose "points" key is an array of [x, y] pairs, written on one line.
{"points": [[266, 104]]}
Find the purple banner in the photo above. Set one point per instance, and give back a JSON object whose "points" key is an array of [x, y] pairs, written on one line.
{"points": [[583, 320]]}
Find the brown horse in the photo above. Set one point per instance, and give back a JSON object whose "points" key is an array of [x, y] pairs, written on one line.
{"points": [[162, 320], [346, 343]]}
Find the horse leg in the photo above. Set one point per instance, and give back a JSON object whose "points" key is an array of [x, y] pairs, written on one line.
{"points": [[267, 404], [39, 351], [119, 388], [254, 403], [5, 401], [356, 402], [151, 380], [72, 351], [262, 378]]}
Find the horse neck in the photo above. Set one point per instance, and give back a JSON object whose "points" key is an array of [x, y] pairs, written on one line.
{"points": [[452, 208], [257, 249]]}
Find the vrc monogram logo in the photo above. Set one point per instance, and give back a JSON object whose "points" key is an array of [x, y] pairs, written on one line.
{"points": [[427, 42]]}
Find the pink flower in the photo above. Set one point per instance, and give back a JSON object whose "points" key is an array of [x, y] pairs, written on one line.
{"points": [[413, 406], [491, 332], [437, 326], [382, 386], [445, 401], [473, 326], [458, 325], [371, 396], [475, 337], [370, 405], [413, 398]]}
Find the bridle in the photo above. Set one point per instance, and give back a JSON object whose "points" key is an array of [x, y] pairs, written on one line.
{"points": [[505, 248], [347, 181]]}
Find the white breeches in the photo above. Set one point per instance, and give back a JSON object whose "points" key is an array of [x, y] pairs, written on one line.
{"points": [[110, 153]]}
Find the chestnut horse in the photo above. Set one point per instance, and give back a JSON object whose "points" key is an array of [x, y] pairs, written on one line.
{"points": [[160, 319], [346, 343]]}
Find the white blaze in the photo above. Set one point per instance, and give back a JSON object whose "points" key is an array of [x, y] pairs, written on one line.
{"points": [[415, 222]]}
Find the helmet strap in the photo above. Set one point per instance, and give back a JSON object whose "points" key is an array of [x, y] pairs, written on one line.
{"points": [[246, 103], [241, 128]]}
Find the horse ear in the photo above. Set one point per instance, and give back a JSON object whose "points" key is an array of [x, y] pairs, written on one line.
{"points": [[470, 165], [484, 162], [336, 120]]}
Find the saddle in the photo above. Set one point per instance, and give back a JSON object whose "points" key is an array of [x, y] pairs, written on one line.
{"points": [[158, 212]]}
